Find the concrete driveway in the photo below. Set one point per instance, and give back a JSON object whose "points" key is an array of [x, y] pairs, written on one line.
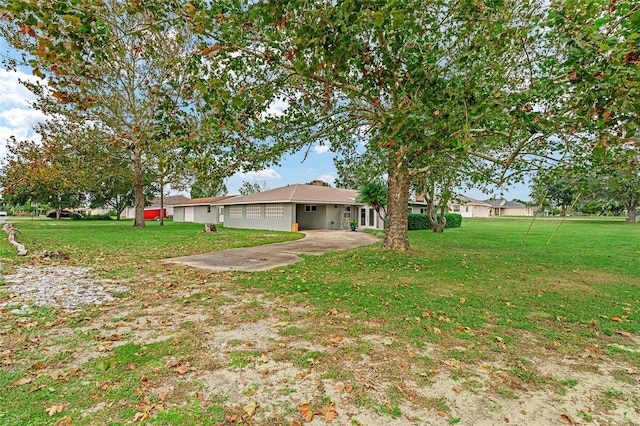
{"points": [[262, 258]]}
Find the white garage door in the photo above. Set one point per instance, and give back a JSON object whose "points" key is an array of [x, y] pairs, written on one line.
{"points": [[189, 214]]}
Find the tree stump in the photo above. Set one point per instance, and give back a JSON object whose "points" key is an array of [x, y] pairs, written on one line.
{"points": [[210, 227]]}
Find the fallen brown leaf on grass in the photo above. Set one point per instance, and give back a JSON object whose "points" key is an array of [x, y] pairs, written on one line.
{"points": [[141, 417], [183, 369], [54, 409], [567, 419], [23, 381], [250, 408], [307, 414], [66, 420], [328, 412]]}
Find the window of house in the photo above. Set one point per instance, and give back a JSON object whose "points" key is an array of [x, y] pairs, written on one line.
{"points": [[372, 217], [254, 212], [466, 209], [235, 212], [310, 209], [274, 211], [456, 209], [347, 212], [363, 217]]}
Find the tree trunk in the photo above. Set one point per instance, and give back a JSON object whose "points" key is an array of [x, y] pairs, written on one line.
{"points": [[432, 216], [210, 227], [161, 201], [138, 191], [437, 226], [396, 236], [631, 212]]}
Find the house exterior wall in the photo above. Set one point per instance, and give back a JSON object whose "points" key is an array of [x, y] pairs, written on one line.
{"points": [[334, 218], [276, 217], [178, 214], [470, 210], [200, 214], [205, 214], [417, 209], [516, 211], [480, 211]]}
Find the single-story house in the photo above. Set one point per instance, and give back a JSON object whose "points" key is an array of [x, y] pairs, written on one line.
{"points": [[152, 211], [299, 207], [502, 207], [469, 207], [418, 206], [200, 210]]}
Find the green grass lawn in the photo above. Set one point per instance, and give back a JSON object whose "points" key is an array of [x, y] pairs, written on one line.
{"points": [[477, 293], [115, 247], [480, 282]]}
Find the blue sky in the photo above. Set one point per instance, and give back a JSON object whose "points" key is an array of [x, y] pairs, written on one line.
{"points": [[17, 119]]}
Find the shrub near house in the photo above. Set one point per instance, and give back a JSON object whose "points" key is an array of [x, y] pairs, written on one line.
{"points": [[419, 221]]}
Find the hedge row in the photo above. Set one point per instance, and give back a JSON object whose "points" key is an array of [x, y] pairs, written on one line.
{"points": [[419, 221], [105, 216]]}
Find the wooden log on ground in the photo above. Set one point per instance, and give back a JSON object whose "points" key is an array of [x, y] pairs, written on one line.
{"points": [[10, 229]]}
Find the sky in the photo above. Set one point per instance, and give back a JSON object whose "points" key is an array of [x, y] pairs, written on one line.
{"points": [[18, 119]]}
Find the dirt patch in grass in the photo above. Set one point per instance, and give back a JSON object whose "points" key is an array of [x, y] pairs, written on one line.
{"points": [[172, 352]]}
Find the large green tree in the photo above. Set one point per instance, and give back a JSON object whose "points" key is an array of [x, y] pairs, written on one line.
{"points": [[49, 172], [410, 79], [111, 64], [205, 186]]}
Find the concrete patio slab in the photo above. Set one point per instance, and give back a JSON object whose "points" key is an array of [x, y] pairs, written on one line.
{"points": [[269, 256]]}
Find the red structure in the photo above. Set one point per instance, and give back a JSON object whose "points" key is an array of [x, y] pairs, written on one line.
{"points": [[153, 214]]}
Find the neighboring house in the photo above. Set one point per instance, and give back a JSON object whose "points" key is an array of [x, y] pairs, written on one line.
{"points": [[299, 206], [469, 207], [200, 210], [419, 205], [152, 211], [502, 207]]}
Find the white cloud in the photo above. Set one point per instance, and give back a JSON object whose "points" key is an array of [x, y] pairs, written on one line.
{"points": [[262, 174], [12, 93], [276, 108], [321, 149], [21, 118], [20, 133], [17, 118], [330, 179]]}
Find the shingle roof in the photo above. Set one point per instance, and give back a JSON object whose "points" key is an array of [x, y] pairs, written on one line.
{"points": [[169, 200], [463, 199], [203, 201], [513, 204], [501, 202], [298, 194]]}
